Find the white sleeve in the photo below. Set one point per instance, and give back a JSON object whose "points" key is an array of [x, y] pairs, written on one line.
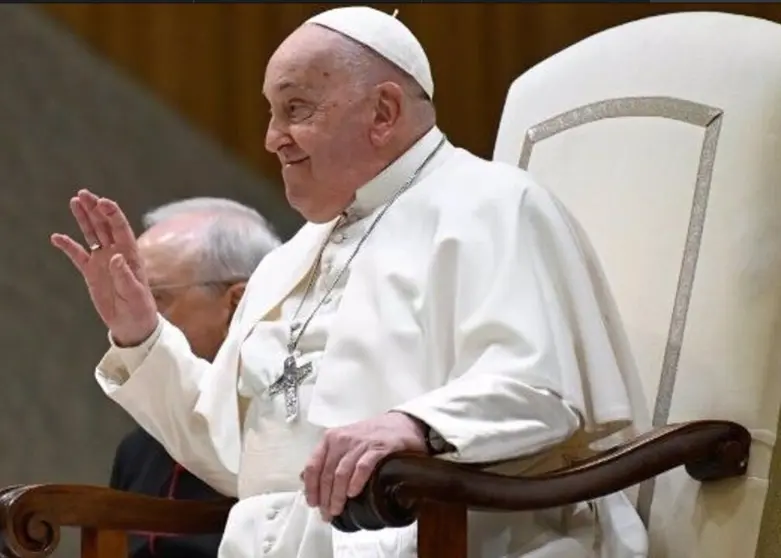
{"points": [[158, 384], [500, 400]]}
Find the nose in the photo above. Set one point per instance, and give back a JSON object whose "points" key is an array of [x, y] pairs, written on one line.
{"points": [[276, 136]]}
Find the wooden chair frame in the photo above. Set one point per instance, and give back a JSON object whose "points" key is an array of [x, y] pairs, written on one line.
{"points": [[404, 488]]}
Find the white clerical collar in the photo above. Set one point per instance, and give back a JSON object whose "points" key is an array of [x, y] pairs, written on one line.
{"points": [[379, 190]]}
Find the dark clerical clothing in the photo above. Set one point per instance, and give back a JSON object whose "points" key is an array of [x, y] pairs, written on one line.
{"points": [[142, 465]]}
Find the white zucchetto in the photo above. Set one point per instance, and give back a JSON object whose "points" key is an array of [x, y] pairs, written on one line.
{"points": [[385, 35]]}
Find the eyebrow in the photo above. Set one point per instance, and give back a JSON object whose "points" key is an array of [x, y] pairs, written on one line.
{"points": [[287, 84], [279, 87]]}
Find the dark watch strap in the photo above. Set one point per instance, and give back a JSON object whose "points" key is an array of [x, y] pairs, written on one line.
{"points": [[436, 444]]}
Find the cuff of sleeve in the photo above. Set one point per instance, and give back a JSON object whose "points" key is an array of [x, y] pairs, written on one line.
{"points": [[133, 357], [548, 421], [456, 437]]}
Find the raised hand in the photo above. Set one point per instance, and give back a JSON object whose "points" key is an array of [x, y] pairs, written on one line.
{"points": [[111, 268]]}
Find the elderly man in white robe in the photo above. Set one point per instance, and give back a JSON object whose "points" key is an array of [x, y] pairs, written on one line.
{"points": [[434, 302]]}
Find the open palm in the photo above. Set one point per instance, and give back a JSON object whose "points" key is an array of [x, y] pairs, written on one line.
{"points": [[111, 268]]}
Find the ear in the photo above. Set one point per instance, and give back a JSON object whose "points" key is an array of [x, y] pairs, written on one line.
{"points": [[387, 111], [234, 294]]}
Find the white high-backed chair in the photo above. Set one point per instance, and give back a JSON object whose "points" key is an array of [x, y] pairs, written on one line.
{"points": [[661, 136]]}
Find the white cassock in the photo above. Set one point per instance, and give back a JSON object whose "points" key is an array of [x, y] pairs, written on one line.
{"points": [[475, 306]]}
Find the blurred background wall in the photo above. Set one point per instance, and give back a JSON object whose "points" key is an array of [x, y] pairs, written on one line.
{"points": [[149, 103], [207, 61]]}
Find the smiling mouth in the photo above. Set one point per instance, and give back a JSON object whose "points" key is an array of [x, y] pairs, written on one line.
{"points": [[297, 161]]}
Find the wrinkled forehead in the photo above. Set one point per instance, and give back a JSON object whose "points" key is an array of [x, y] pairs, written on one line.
{"points": [[168, 263], [306, 61], [169, 250]]}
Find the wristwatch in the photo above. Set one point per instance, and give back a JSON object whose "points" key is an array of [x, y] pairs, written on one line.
{"points": [[436, 444]]}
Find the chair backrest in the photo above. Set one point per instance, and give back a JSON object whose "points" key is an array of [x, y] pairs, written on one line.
{"points": [[661, 136]]}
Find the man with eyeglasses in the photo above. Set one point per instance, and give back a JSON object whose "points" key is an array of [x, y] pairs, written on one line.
{"points": [[198, 254]]}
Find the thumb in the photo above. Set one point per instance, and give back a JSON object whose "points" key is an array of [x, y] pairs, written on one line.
{"points": [[126, 284]]}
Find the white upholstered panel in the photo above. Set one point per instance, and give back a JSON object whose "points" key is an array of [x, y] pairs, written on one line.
{"points": [[702, 95]]}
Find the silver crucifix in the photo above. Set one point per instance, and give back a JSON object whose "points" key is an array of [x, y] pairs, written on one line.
{"points": [[287, 384]]}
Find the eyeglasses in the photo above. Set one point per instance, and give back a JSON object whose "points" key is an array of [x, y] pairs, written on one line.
{"points": [[214, 283]]}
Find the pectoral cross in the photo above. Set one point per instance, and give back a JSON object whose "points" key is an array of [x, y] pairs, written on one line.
{"points": [[287, 384]]}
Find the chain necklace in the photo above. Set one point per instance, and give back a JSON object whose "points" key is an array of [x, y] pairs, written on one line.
{"points": [[292, 374]]}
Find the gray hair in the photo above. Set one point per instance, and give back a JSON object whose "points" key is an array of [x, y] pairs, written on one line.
{"points": [[235, 240], [368, 67]]}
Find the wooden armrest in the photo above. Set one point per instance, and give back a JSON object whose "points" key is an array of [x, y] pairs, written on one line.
{"points": [[31, 516], [710, 450]]}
